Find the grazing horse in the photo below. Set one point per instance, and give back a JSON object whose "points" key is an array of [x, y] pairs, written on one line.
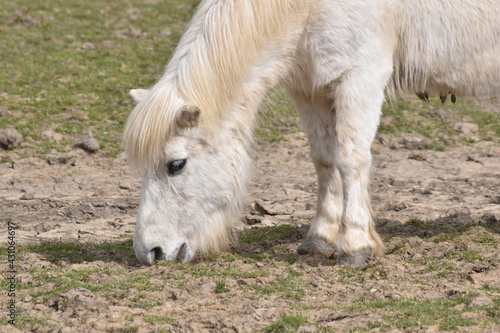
{"points": [[191, 133]]}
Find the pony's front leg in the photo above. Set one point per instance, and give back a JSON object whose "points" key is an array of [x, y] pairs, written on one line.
{"points": [[318, 124], [358, 98], [326, 226]]}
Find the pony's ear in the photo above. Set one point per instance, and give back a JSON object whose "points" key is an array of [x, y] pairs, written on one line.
{"points": [[188, 116], [138, 94]]}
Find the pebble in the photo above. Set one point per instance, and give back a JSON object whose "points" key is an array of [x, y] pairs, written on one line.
{"points": [[415, 143], [10, 138], [52, 136], [482, 300], [252, 219], [88, 143], [466, 128]]}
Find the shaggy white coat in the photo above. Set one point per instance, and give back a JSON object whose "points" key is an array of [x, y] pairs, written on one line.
{"points": [[337, 57]]}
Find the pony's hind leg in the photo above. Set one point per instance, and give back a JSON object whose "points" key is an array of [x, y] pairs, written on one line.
{"points": [[318, 123]]}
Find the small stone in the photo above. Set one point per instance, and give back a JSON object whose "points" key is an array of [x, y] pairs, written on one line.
{"points": [[10, 138], [417, 157], [124, 185], [28, 196], [495, 199], [386, 120], [383, 139], [434, 328], [88, 143], [252, 219], [466, 128], [52, 136], [471, 315], [108, 44], [4, 112], [415, 143], [396, 182], [395, 206], [482, 301]]}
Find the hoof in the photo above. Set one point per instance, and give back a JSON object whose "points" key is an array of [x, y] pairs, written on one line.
{"points": [[358, 260], [312, 246]]}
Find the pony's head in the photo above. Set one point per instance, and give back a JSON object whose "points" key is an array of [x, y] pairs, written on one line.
{"points": [[193, 178]]}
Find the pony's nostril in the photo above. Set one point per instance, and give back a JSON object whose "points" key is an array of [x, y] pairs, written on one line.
{"points": [[158, 253], [181, 255]]}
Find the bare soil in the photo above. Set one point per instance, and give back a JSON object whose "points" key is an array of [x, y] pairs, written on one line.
{"points": [[427, 204]]}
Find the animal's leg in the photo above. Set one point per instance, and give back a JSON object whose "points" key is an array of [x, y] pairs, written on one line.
{"points": [[318, 123], [358, 98]]}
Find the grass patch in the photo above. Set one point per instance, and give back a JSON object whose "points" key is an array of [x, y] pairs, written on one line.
{"points": [[350, 275], [162, 320], [270, 236], [130, 329], [72, 252], [408, 314], [449, 236], [221, 287], [484, 238], [442, 268], [115, 283], [218, 269], [25, 322], [285, 324], [471, 256], [289, 285], [68, 65], [410, 115], [277, 116]]}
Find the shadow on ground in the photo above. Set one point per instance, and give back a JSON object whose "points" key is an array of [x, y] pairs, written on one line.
{"points": [[277, 242]]}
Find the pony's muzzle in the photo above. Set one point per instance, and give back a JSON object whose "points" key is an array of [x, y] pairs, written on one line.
{"points": [[182, 253]]}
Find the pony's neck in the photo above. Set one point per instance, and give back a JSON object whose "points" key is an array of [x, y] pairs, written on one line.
{"points": [[232, 53]]}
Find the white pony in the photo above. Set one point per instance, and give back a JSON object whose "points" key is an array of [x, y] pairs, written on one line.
{"points": [[191, 133]]}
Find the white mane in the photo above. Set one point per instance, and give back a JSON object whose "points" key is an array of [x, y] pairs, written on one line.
{"points": [[207, 70]]}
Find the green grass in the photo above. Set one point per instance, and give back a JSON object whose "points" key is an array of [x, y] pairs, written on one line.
{"points": [[130, 329], [410, 115], [68, 67], [212, 269], [270, 236], [72, 252], [408, 314], [117, 285], [277, 117], [156, 319], [221, 287], [25, 321], [290, 285], [288, 323], [72, 68]]}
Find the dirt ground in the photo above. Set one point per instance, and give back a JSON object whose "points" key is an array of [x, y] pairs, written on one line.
{"points": [[418, 196]]}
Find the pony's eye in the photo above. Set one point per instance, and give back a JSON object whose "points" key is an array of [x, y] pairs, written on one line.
{"points": [[176, 166]]}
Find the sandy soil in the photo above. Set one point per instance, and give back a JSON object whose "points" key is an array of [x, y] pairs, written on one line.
{"points": [[81, 197]]}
